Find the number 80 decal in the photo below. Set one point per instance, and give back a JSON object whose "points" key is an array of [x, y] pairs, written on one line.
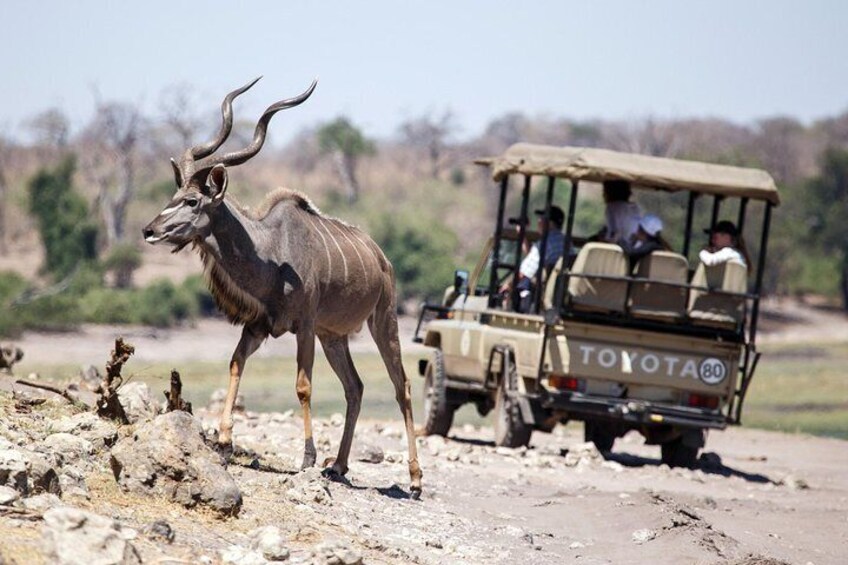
{"points": [[712, 371]]}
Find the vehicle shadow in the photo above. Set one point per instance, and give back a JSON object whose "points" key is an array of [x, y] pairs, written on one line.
{"points": [[709, 463]]}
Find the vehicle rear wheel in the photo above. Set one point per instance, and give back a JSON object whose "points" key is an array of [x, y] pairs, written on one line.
{"points": [[438, 410], [676, 453], [599, 434], [510, 429]]}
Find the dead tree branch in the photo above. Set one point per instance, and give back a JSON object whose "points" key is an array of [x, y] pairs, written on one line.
{"points": [[175, 396], [108, 404], [63, 392]]}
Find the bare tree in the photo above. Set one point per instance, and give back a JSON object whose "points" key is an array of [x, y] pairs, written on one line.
{"points": [[647, 137], [177, 107], [431, 134], [111, 162], [111, 150], [50, 128]]}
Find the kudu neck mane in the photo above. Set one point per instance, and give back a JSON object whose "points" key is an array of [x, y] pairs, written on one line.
{"points": [[234, 227]]}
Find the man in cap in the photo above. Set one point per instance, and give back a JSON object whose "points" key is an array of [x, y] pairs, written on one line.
{"points": [[554, 248], [725, 245]]}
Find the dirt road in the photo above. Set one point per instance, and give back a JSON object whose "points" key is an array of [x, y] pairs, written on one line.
{"points": [[768, 495]]}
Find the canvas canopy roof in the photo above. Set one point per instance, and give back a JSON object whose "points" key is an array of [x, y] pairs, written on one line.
{"points": [[598, 165]]}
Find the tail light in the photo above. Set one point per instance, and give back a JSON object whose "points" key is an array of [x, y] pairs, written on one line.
{"points": [[563, 382], [703, 401]]}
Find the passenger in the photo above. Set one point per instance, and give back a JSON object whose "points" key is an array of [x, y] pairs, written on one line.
{"points": [[622, 216], [726, 245], [647, 239], [530, 264]]}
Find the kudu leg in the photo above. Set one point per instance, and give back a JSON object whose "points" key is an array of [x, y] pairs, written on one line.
{"points": [[338, 354], [247, 345], [305, 359], [384, 330]]}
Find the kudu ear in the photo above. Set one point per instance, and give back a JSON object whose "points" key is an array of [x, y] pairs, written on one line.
{"points": [[178, 174], [217, 182]]}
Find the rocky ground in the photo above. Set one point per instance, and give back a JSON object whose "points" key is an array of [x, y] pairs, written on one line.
{"points": [[757, 497]]}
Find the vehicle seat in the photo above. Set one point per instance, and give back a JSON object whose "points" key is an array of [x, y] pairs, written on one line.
{"points": [[594, 294], [716, 310], [658, 301], [550, 285]]}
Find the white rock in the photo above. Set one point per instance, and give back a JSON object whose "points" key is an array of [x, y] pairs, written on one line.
{"points": [[8, 496], [42, 502], [90, 426], [643, 535], [336, 552], [337, 420], [370, 454], [238, 555], [73, 537], [613, 465], [583, 454], [68, 447], [576, 545], [395, 456], [13, 470], [137, 401], [270, 543], [277, 418]]}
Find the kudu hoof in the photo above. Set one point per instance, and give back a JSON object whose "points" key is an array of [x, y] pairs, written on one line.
{"points": [[225, 450], [333, 474], [415, 493]]}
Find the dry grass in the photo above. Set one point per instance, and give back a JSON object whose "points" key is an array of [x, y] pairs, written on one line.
{"points": [[21, 544]]}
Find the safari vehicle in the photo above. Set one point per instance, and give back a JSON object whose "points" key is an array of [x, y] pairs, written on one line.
{"points": [[668, 350]]}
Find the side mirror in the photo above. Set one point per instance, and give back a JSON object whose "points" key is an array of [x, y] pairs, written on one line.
{"points": [[460, 281]]}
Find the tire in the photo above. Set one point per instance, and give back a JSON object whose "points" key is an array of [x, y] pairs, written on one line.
{"points": [[438, 410], [676, 453], [599, 434], [510, 429]]}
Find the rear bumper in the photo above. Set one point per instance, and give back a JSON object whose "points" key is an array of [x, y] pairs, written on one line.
{"points": [[581, 406]]}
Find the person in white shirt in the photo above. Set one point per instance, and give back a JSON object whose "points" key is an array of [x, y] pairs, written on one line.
{"points": [[725, 245], [622, 216]]}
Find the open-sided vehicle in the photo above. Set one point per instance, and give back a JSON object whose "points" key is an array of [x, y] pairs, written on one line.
{"points": [[668, 349]]}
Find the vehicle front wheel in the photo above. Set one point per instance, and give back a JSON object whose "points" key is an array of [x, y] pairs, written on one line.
{"points": [[438, 410], [676, 453], [510, 429], [599, 434]]}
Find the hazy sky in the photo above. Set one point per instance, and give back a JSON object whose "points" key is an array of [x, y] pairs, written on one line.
{"points": [[382, 62]]}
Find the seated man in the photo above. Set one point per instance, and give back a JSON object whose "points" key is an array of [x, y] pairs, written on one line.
{"points": [[726, 244], [530, 264]]}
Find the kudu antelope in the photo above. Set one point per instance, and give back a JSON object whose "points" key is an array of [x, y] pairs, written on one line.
{"points": [[286, 268]]}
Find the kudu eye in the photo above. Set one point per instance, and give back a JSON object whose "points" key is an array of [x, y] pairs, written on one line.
{"points": [[191, 202]]}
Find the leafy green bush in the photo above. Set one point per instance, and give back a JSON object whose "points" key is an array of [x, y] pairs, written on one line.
{"points": [[123, 259], [196, 290], [11, 285], [67, 231], [163, 303], [421, 250]]}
